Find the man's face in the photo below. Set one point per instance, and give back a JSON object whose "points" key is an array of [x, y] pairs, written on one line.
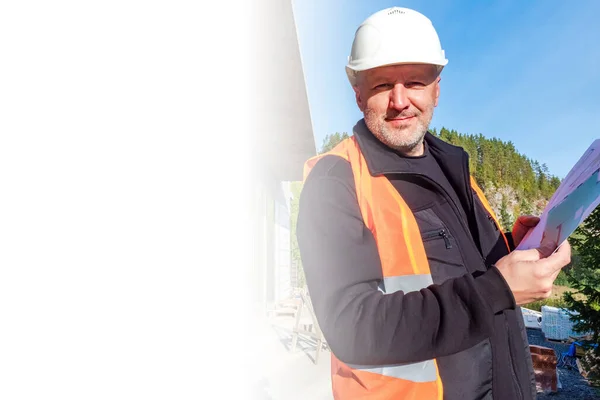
{"points": [[397, 102]]}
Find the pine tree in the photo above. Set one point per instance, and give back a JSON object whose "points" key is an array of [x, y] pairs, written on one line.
{"points": [[585, 279], [506, 219], [525, 207]]}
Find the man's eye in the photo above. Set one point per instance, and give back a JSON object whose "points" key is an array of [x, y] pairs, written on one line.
{"points": [[414, 84], [383, 86]]}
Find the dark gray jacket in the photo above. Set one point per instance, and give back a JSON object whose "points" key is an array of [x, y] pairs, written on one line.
{"points": [[467, 319]]}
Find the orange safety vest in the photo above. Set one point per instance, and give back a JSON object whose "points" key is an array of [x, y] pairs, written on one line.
{"points": [[405, 267]]}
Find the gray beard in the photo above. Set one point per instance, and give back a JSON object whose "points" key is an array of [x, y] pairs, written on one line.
{"points": [[403, 141]]}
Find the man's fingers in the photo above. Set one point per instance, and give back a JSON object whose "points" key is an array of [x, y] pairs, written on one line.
{"points": [[528, 220], [522, 225], [558, 260], [547, 249], [527, 255], [564, 249]]}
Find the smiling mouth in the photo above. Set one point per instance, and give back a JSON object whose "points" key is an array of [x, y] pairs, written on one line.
{"points": [[400, 118]]}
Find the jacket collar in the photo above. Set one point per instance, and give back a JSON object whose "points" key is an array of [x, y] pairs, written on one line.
{"points": [[383, 160]]}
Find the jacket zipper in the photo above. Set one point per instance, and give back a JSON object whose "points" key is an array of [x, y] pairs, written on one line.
{"points": [[453, 204], [512, 361], [510, 354], [467, 179], [451, 201], [440, 233]]}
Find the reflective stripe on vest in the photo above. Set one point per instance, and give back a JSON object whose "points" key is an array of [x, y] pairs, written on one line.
{"points": [[415, 372], [406, 283], [425, 371], [404, 267]]}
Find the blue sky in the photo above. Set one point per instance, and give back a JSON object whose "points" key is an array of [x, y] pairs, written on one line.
{"points": [[526, 72]]}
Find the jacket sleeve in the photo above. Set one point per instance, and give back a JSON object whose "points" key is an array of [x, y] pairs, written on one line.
{"points": [[342, 267]]}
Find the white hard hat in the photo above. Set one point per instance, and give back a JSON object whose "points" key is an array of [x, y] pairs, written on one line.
{"points": [[394, 36]]}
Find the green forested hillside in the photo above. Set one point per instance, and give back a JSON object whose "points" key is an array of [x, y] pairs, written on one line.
{"points": [[513, 183], [497, 163]]}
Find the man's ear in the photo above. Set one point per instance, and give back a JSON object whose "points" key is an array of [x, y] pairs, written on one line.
{"points": [[359, 99], [437, 90]]}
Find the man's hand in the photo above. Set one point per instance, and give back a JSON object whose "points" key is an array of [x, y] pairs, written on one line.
{"points": [[530, 274], [523, 224]]}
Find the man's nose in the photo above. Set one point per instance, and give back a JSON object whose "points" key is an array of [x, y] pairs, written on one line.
{"points": [[399, 97]]}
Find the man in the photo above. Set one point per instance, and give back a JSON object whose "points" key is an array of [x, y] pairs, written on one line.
{"points": [[412, 280]]}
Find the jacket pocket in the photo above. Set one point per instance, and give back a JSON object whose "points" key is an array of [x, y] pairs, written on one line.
{"points": [[436, 234], [442, 250]]}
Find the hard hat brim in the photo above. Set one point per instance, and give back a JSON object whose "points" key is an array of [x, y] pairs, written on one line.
{"points": [[352, 72]]}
